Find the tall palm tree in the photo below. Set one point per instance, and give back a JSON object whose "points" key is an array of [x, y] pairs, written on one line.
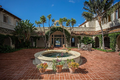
{"points": [[61, 21], [38, 24], [49, 17], [53, 20], [43, 20], [73, 21], [68, 24], [98, 10]]}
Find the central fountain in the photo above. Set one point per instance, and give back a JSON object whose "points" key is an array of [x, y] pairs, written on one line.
{"points": [[48, 55]]}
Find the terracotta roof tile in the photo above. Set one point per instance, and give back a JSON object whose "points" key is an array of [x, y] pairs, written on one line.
{"points": [[106, 31]]}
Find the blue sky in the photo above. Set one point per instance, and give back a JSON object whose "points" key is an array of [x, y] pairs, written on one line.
{"points": [[34, 9]]}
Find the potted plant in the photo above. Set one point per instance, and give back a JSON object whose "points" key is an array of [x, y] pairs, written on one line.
{"points": [[52, 46], [57, 65], [72, 65], [42, 67], [70, 60], [63, 45]]}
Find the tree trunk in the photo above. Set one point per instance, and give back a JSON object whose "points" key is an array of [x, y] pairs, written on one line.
{"points": [[99, 21], [44, 37], [70, 36], [49, 34], [64, 36]]}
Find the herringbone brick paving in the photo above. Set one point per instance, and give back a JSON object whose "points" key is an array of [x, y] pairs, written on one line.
{"points": [[96, 65]]}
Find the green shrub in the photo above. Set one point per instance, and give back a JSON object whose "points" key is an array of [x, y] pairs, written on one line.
{"points": [[104, 50], [7, 49], [87, 40]]}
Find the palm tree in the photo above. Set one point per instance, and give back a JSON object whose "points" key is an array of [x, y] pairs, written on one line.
{"points": [[68, 24], [61, 21], [73, 21], [53, 20], [49, 17], [43, 20], [98, 10], [38, 24]]}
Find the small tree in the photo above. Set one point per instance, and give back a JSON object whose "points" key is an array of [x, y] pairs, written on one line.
{"points": [[24, 30], [43, 20]]}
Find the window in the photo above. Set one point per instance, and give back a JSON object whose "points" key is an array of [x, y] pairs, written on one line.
{"points": [[84, 25], [73, 40], [112, 17], [116, 14], [119, 12], [5, 18], [57, 24], [104, 21], [16, 22], [109, 18]]}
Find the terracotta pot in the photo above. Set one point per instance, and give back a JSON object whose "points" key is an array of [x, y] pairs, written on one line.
{"points": [[42, 70], [63, 45], [72, 70], [59, 68], [51, 46]]}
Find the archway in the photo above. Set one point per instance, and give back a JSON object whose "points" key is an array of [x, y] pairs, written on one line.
{"points": [[118, 42], [7, 41], [107, 42], [54, 29], [57, 39], [96, 42]]}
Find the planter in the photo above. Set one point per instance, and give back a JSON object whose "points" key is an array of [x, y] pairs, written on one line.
{"points": [[51, 46], [59, 68], [72, 70], [63, 45], [42, 70]]}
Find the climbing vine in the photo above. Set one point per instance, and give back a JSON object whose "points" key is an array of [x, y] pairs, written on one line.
{"points": [[113, 38], [67, 34], [100, 39]]}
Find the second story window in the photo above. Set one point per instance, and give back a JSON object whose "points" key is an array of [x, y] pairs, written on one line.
{"points": [[112, 17], [116, 14], [16, 22], [109, 18], [119, 12], [84, 25], [5, 18]]}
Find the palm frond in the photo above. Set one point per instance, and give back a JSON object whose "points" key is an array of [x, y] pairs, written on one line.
{"points": [[88, 16]]}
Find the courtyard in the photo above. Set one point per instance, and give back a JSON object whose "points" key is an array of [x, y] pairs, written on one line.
{"points": [[96, 65]]}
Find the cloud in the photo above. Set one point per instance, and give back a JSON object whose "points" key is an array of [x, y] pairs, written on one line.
{"points": [[71, 1], [52, 5]]}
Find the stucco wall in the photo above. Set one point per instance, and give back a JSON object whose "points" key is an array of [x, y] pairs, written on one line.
{"points": [[40, 43], [11, 21]]}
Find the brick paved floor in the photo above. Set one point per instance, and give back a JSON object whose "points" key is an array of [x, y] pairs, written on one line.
{"points": [[97, 65]]}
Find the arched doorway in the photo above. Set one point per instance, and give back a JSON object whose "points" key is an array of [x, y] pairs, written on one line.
{"points": [[7, 41], [57, 39], [118, 42], [107, 42], [96, 42]]}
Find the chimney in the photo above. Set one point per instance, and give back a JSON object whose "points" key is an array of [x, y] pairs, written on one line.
{"points": [[0, 6]]}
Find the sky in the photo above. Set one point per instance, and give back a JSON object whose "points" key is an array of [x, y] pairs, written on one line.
{"points": [[34, 9]]}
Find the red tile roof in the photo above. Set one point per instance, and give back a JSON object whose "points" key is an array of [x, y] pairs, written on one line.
{"points": [[106, 31]]}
